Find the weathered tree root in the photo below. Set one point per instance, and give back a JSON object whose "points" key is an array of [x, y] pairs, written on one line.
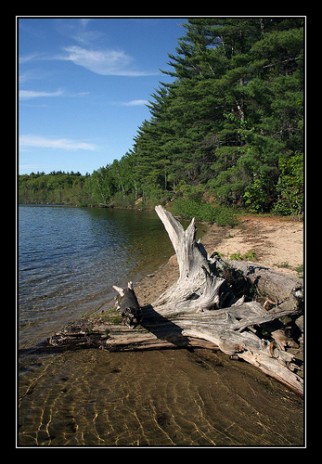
{"points": [[217, 302]]}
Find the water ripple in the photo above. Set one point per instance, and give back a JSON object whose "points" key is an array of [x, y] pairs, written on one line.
{"points": [[95, 398], [69, 258]]}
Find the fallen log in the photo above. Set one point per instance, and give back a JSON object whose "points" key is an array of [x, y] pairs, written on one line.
{"points": [[248, 311]]}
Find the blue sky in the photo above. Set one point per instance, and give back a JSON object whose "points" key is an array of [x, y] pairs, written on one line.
{"points": [[83, 87]]}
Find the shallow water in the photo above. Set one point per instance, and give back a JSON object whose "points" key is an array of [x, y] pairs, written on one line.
{"points": [[156, 398], [68, 260]]}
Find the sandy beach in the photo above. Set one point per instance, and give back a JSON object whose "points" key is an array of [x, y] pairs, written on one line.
{"points": [[277, 242]]}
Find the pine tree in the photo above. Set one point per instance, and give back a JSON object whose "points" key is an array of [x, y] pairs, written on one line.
{"points": [[230, 123]]}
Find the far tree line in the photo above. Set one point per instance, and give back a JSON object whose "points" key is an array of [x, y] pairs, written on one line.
{"points": [[228, 131]]}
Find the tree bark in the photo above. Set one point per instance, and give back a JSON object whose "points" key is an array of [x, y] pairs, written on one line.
{"points": [[249, 312]]}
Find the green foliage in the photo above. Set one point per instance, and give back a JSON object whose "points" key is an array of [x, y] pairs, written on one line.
{"points": [[152, 195], [300, 270], [225, 216], [283, 265], [120, 200], [258, 197], [228, 127], [201, 211], [291, 186], [186, 208], [236, 256], [55, 188], [112, 316], [190, 192], [250, 255]]}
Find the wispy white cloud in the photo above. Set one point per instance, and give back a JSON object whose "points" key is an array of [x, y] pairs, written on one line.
{"points": [[78, 30], [29, 57], [28, 94], [31, 94], [104, 62], [135, 103], [58, 144], [34, 74]]}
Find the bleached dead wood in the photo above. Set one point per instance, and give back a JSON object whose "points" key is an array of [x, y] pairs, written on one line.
{"points": [[218, 302], [205, 303]]}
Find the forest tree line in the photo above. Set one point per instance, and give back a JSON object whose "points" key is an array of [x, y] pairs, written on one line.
{"points": [[227, 131]]}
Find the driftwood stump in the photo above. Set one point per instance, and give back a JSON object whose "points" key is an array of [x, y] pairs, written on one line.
{"points": [[248, 311]]}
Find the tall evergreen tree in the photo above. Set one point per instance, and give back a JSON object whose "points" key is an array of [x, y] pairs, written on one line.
{"points": [[231, 122]]}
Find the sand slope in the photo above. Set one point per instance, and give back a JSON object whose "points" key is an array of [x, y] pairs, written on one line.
{"points": [[277, 242]]}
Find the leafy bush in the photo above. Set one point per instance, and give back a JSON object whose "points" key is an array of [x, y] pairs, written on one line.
{"points": [[190, 192], [123, 201], [187, 208], [236, 257], [152, 195], [300, 270], [291, 186], [256, 197], [225, 216], [250, 255], [220, 215]]}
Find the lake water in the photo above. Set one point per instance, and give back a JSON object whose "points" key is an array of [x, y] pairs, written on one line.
{"points": [[68, 260]]}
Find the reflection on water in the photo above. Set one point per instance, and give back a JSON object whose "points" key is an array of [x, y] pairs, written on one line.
{"points": [[157, 398], [69, 258]]}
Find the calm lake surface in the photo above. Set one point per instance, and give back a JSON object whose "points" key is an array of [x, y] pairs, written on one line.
{"points": [[68, 260]]}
